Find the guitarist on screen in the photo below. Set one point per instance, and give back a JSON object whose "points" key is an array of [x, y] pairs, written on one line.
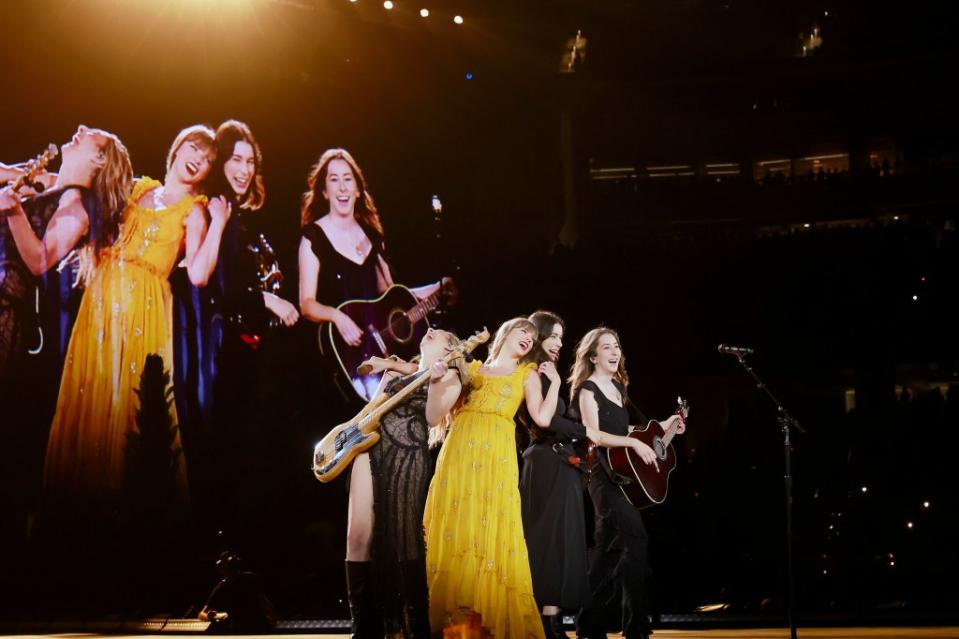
{"points": [[342, 257], [618, 560]]}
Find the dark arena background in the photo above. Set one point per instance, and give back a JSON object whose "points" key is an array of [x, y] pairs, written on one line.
{"points": [[777, 175]]}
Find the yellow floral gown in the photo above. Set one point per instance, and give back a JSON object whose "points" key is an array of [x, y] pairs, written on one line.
{"points": [[476, 557], [125, 314]]}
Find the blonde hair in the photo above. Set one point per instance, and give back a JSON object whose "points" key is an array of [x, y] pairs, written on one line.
{"points": [[437, 433], [200, 134], [583, 366], [504, 330], [111, 186]]}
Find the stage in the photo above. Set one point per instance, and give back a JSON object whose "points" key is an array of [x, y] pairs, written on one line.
{"points": [[730, 633]]}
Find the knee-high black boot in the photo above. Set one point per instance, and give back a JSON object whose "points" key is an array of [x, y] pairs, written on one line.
{"points": [[367, 622], [417, 598]]}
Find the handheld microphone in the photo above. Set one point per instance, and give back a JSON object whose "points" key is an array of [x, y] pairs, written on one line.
{"points": [[738, 351]]}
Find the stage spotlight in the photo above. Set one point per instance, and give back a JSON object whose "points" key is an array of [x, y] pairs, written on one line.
{"points": [[469, 75], [425, 13], [388, 5], [458, 19], [909, 525], [925, 504]]}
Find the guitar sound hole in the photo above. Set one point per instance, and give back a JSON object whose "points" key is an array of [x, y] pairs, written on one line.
{"points": [[400, 326], [659, 448]]}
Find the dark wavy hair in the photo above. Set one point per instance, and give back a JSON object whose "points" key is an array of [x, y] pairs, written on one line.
{"points": [[227, 135], [544, 321], [313, 208]]}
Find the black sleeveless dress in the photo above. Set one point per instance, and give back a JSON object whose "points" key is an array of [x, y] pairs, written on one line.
{"points": [[618, 560], [401, 466], [340, 280], [551, 490]]}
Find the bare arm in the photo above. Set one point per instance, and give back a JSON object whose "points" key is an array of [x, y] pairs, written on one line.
{"points": [[422, 292], [384, 279], [444, 390], [311, 308], [65, 228], [540, 408], [9, 173], [589, 410], [202, 243]]}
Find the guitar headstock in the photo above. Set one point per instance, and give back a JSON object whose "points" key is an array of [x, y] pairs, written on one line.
{"points": [[34, 166], [682, 408], [480, 337]]}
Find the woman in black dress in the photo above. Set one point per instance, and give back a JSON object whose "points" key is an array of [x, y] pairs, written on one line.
{"points": [[551, 487], [386, 551], [224, 338], [618, 560], [342, 257], [551, 490], [342, 253]]}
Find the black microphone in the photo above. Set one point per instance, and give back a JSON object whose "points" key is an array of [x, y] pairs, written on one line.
{"points": [[738, 351]]}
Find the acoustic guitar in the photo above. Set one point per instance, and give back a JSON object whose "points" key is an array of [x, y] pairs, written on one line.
{"points": [[649, 486], [392, 324]]}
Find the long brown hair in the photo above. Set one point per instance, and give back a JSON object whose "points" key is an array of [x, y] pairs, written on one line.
{"points": [[503, 331], [312, 207], [227, 135], [583, 366], [111, 186]]}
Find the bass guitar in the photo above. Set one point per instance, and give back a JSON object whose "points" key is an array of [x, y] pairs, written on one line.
{"points": [[392, 324], [338, 448], [649, 485]]}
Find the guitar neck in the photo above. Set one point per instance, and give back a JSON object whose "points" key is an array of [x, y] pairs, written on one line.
{"points": [[373, 415], [425, 306], [387, 405]]}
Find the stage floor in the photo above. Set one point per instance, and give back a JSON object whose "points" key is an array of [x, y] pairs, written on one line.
{"points": [[753, 633]]}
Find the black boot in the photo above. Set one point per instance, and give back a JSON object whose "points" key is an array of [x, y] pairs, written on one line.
{"points": [[367, 622], [417, 598], [549, 627], [556, 623]]}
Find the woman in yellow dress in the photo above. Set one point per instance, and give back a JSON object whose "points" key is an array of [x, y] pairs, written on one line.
{"points": [[476, 557], [124, 316]]}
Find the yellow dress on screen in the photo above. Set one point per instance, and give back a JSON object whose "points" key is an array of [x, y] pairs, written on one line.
{"points": [[125, 314], [476, 556]]}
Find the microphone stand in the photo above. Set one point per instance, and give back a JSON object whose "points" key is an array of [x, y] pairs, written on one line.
{"points": [[786, 423]]}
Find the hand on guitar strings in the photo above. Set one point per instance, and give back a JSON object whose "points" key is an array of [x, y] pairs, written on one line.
{"points": [[644, 452], [348, 329]]}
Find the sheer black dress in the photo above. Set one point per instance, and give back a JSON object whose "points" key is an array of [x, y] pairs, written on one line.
{"points": [[619, 559], [551, 490], [402, 467], [36, 318]]}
